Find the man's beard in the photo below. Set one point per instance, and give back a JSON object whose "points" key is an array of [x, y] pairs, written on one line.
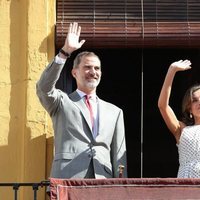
{"points": [[93, 84]]}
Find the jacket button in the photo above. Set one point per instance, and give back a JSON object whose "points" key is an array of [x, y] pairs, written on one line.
{"points": [[90, 145]]}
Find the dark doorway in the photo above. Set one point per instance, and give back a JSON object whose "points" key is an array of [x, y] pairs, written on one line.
{"points": [[132, 79]]}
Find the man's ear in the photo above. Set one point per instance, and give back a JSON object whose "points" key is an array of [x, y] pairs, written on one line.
{"points": [[73, 73]]}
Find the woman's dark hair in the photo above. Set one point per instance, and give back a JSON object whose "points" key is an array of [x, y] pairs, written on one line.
{"points": [[188, 118]]}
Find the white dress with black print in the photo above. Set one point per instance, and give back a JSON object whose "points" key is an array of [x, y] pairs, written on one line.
{"points": [[189, 152]]}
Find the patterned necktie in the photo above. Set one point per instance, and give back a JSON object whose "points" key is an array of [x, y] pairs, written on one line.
{"points": [[88, 104]]}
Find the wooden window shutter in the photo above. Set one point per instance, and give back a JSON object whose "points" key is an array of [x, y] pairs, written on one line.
{"points": [[131, 23]]}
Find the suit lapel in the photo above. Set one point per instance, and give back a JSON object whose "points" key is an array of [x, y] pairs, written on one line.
{"points": [[102, 113]]}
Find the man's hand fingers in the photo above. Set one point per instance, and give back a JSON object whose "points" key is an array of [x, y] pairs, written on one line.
{"points": [[82, 42]]}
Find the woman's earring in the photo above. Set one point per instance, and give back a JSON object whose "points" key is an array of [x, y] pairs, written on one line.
{"points": [[191, 115]]}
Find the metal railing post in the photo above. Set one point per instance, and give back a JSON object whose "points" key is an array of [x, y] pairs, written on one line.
{"points": [[15, 188], [35, 189]]}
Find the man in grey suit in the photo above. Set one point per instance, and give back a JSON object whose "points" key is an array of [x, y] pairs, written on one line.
{"points": [[88, 144]]}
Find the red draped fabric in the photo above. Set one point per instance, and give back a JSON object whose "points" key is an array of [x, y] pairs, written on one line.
{"points": [[125, 189]]}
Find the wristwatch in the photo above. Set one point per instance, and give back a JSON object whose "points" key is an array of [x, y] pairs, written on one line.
{"points": [[64, 53]]}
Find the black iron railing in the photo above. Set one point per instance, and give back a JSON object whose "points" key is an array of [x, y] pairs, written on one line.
{"points": [[16, 187]]}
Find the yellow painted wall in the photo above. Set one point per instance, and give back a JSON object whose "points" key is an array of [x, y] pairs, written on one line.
{"points": [[26, 46]]}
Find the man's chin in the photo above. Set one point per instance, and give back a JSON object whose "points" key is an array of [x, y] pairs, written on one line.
{"points": [[92, 85]]}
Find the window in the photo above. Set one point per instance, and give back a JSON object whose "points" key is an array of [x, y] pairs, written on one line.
{"points": [[131, 23]]}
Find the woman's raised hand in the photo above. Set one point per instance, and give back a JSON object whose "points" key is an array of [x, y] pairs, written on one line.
{"points": [[181, 65]]}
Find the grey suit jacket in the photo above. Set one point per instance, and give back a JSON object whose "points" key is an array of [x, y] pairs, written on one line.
{"points": [[73, 140]]}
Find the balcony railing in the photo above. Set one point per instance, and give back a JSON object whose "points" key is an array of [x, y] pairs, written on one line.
{"points": [[16, 187]]}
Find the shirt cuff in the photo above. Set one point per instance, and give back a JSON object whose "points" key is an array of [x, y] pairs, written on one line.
{"points": [[59, 60]]}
